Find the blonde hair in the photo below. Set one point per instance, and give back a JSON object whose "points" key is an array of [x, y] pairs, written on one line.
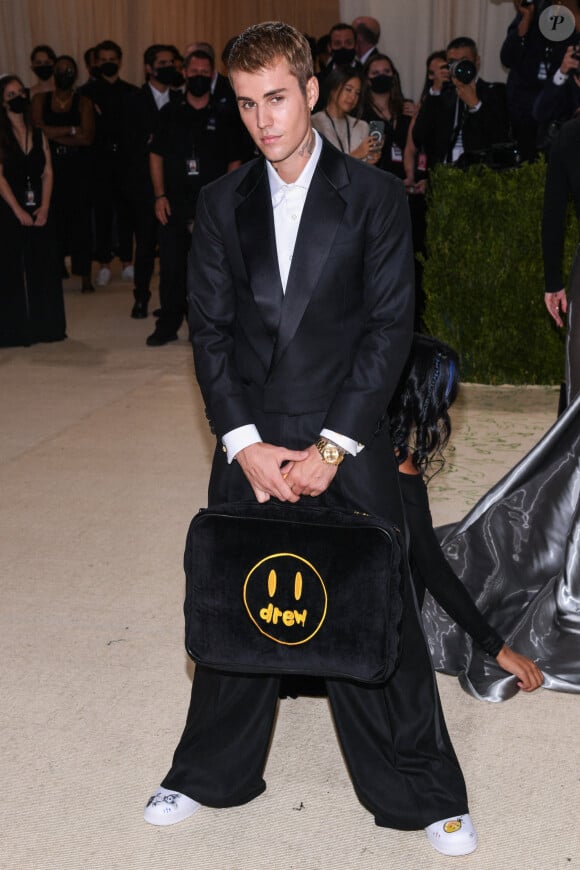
{"points": [[263, 45]]}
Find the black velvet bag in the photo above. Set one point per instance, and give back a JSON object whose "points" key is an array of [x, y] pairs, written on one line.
{"points": [[284, 589]]}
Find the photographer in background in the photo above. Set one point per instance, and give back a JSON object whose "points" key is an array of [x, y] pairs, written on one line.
{"points": [[559, 99], [462, 113], [531, 60]]}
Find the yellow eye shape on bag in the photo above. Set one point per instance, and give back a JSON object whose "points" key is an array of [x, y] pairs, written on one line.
{"points": [[285, 598]]}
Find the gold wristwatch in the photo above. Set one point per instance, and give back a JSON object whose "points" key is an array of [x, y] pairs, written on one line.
{"points": [[329, 452]]}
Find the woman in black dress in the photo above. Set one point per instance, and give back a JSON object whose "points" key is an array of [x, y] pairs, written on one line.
{"points": [[31, 301], [68, 122]]}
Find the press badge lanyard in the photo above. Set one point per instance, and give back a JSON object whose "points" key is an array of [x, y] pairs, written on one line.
{"points": [[338, 139], [29, 196], [192, 164]]}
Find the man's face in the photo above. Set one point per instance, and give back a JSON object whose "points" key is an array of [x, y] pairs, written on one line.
{"points": [[164, 58], [454, 54], [199, 66], [107, 56], [341, 39], [274, 109]]}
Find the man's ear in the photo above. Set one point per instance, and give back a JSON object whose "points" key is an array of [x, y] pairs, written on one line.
{"points": [[312, 90]]}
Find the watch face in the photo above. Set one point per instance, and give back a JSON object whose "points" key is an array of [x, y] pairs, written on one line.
{"points": [[331, 454]]}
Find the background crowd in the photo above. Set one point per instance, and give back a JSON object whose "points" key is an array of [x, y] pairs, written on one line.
{"points": [[107, 169]]}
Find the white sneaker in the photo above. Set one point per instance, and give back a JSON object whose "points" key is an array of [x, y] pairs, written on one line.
{"points": [[128, 273], [167, 807], [454, 836], [103, 276]]}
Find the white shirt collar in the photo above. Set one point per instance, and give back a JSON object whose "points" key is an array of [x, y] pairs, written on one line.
{"points": [[160, 97], [363, 59], [305, 177]]}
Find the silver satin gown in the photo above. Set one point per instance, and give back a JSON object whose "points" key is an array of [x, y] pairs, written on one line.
{"points": [[518, 554]]}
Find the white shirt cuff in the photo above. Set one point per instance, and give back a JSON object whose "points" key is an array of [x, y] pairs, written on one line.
{"points": [[352, 447], [236, 439], [474, 109], [559, 78]]}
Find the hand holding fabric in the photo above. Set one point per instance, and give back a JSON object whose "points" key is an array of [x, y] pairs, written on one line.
{"points": [[529, 675]]}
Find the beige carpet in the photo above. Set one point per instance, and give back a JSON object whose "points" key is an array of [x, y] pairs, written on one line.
{"points": [[104, 458]]}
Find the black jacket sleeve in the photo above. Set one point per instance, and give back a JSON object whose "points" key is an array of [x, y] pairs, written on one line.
{"points": [[431, 571]]}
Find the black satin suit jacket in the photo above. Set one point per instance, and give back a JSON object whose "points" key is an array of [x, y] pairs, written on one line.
{"points": [[334, 344]]}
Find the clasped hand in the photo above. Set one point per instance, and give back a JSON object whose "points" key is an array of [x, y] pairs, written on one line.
{"points": [[284, 474]]}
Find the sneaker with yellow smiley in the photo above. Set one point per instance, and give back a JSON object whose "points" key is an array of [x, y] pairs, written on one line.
{"points": [[454, 836]]}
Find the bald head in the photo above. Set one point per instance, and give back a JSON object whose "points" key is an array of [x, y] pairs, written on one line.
{"points": [[368, 31], [370, 24]]}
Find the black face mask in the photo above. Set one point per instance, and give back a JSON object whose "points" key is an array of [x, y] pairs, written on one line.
{"points": [[64, 79], [167, 75], [381, 84], [44, 71], [18, 105], [343, 56], [109, 69], [198, 85]]}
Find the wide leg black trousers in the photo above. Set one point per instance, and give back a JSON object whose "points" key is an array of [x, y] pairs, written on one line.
{"points": [[393, 736]]}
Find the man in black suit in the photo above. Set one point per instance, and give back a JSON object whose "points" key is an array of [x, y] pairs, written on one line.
{"points": [[456, 118], [300, 292], [368, 32], [342, 52], [140, 119]]}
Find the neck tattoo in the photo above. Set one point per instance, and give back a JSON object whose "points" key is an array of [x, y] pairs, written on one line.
{"points": [[308, 147]]}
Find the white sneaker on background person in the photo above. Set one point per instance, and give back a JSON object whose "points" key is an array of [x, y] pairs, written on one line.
{"points": [[167, 807], [128, 273], [103, 276], [454, 836]]}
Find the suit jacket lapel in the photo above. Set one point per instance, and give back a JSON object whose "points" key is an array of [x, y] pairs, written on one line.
{"points": [[321, 217], [255, 223]]}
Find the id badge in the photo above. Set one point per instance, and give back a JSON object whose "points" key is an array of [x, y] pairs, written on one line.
{"points": [[211, 126], [192, 166], [422, 162], [542, 72], [396, 154], [29, 198]]}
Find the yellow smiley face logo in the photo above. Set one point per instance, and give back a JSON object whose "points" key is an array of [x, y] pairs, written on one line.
{"points": [[286, 599], [452, 826]]}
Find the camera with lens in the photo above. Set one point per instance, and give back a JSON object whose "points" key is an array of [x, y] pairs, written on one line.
{"points": [[463, 70]]}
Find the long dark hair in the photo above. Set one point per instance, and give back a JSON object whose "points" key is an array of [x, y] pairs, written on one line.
{"points": [[441, 55], [419, 410], [8, 142], [396, 98], [337, 79]]}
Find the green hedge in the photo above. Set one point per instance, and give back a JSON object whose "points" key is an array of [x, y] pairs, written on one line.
{"points": [[483, 274]]}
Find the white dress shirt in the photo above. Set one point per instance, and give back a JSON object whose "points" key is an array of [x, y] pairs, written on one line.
{"points": [[161, 97], [288, 204]]}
